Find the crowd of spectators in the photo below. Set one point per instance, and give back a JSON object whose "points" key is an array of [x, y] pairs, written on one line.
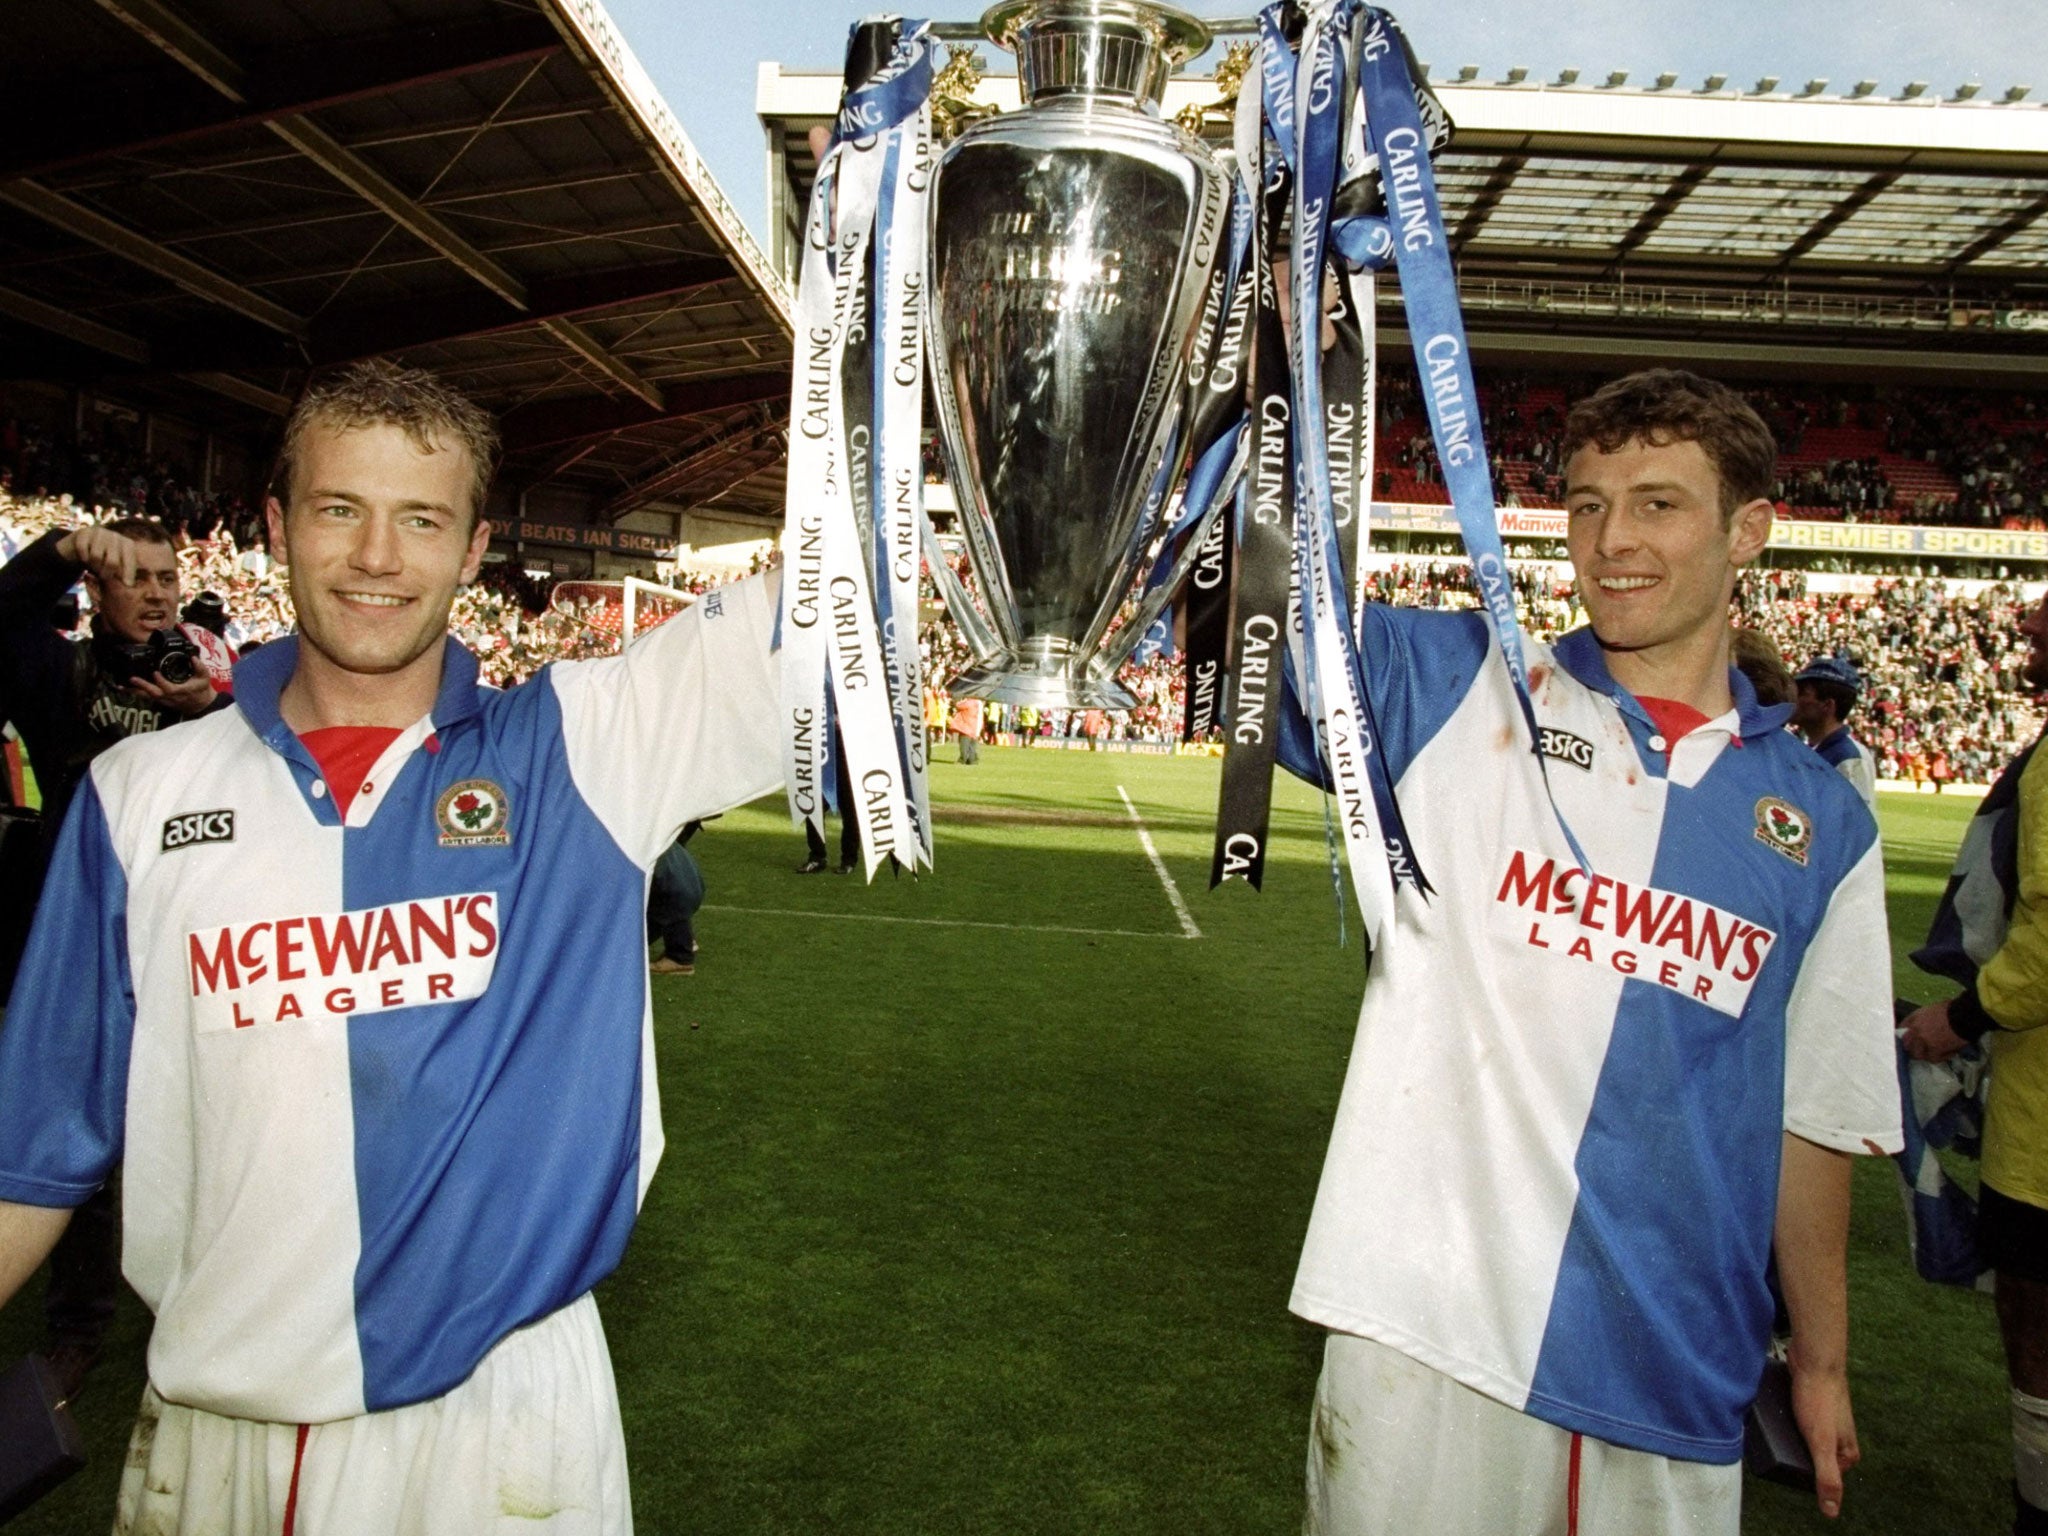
{"points": [[102, 471], [1543, 592], [516, 623], [1853, 487], [1521, 429], [1942, 700], [1990, 449], [1155, 679], [1983, 455], [1989, 446], [1943, 697], [1995, 447]]}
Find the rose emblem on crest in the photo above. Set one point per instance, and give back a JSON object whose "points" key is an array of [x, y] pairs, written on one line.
{"points": [[1782, 826], [473, 814]]}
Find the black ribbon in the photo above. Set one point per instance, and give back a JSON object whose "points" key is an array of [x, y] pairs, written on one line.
{"points": [[1259, 625], [1215, 405], [1206, 640], [1344, 424]]}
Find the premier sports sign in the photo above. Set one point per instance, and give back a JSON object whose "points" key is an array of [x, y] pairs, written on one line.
{"points": [[1786, 533]]}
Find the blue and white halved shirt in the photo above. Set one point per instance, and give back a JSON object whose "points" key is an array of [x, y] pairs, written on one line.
{"points": [[1554, 1168], [384, 1086]]}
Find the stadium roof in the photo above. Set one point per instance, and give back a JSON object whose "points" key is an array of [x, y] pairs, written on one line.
{"points": [[1905, 235], [202, 199]]}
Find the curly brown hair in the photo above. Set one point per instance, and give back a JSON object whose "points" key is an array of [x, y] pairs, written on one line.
{"points": [[378, 391], [1670, 405]]}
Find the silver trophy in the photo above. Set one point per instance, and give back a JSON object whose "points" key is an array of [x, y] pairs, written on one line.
{"points": [[1071, 244]]}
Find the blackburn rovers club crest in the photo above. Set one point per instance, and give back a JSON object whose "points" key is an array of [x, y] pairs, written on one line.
{"points": [[473, 814], [1784, 827]]}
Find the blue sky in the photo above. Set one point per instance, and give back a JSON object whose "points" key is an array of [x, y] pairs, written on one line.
{"points": [[703, 56]]}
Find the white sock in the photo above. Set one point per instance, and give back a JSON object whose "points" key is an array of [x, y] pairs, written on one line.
{"points": [[2030, 1447]]}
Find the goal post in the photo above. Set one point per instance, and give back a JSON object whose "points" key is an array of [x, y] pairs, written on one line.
{"points": [[648, 605]]}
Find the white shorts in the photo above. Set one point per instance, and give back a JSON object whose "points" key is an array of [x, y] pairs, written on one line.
{"points": [[530, 1443], [1397, 1448]]}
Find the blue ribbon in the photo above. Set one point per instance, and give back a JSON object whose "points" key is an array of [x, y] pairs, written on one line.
{"points": [[1206, 476], [893, 95], [1320, 131], [1162, 483], [885, 263], [899, 93], [1203, 482], [1276, 78], [1242, 215], [1436, 328]]}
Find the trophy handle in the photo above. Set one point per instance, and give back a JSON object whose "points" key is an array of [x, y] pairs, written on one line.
{"points": [[973, 625], [1153, 603]]}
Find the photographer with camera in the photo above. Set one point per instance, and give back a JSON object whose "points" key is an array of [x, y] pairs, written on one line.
{"points": [[70, 700], [139, 672]]}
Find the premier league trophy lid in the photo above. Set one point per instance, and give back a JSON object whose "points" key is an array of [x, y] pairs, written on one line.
{"points": [[1071, 246], [1099, 48]]}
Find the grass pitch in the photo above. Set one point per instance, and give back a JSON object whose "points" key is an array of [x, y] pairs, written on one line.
{"points": [[983, 1192]]}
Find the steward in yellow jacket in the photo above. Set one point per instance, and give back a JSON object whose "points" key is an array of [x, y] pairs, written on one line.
{"points": [[1990, 936]]}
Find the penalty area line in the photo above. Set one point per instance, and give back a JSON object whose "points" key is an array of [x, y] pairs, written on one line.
{"points": [[1180, 908], [941, 922]]}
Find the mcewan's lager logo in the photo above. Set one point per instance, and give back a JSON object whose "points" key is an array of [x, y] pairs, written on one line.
{"points": [[440, 949], [1666, 938], [1783, 826], [473, 814]]}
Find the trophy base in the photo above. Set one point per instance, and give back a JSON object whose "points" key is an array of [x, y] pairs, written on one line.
{"points": [[1046, 683]]}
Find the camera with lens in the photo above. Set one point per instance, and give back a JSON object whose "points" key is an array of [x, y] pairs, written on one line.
{"points": [[209, 610], [166, 651]]}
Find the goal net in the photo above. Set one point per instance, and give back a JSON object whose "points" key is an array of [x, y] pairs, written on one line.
{"points": [[619, 609]]}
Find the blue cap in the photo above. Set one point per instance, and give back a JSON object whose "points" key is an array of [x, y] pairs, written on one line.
{"points": [[1830, 669]]}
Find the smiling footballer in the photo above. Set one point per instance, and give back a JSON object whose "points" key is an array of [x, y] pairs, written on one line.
{"points": [[1586, 1101], [354, 976]]}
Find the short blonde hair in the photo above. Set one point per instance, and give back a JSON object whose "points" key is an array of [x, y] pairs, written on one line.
{"points": [[378, 391]]}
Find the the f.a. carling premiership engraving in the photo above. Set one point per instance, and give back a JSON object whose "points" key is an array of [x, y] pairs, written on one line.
{"points": [[1073, 245]]}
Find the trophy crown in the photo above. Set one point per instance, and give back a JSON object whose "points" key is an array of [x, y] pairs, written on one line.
{"points": [[1123, 50]]}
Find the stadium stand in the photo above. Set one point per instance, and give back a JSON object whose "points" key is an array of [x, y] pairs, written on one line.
{"points": [[1943, 702], [632, 384], [492, 188], [489, 188]]}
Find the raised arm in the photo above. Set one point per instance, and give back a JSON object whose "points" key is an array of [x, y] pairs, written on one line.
{"points": [[33, 580], [33, 657], [682, 726]]}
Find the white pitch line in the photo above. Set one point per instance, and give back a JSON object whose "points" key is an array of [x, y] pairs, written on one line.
{"points": [[1180, 908], [937, 922]]}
